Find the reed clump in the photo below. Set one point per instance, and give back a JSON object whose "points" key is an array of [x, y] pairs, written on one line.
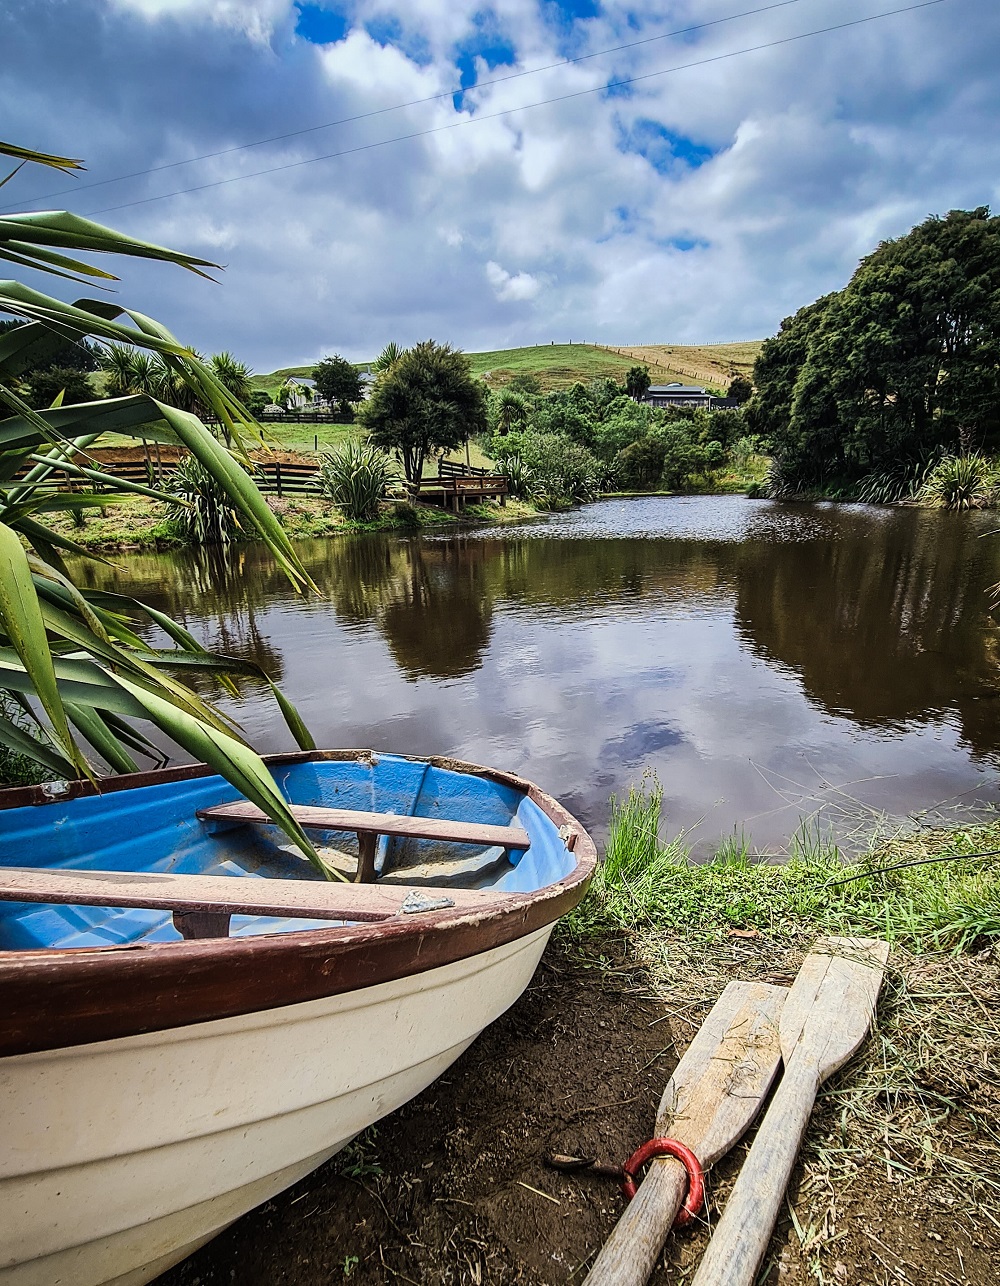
{"points": [[357, 478], [931, 890]]}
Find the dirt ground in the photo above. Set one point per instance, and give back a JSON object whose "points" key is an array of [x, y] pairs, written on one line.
{"points": [[454, 1188]]}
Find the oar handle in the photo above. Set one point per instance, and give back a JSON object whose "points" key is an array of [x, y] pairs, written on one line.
{"points": [[630, 1253], [741, 1235]]}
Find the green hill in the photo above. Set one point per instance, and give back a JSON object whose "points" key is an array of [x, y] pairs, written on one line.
{"points": [[561, 365]]}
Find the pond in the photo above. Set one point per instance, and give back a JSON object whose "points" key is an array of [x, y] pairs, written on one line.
{"points": [[770, 663]]}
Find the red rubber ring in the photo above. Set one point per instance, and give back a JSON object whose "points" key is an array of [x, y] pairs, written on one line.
{"points": [[669, 1148]]}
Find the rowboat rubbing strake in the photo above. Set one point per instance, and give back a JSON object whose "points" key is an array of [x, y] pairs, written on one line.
{"points": [[191, 1018]]}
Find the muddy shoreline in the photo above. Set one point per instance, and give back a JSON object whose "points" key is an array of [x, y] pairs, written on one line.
{"points": [[453, 1188]]}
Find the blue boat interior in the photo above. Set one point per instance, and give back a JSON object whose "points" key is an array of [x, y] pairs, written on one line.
{"points": [[156, 829]]}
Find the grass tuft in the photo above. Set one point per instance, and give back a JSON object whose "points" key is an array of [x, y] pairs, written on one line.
{"points": [[650, 885]]}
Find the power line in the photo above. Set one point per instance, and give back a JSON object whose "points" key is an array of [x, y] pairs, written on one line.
{"points": [[509, 111], [416, 102]]}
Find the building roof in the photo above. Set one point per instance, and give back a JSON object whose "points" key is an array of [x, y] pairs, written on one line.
{"points": [[676, 388]]}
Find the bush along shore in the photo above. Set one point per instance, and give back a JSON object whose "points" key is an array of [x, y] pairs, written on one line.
{"points": [[898, 1180]]}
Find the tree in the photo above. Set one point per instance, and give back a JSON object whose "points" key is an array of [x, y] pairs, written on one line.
{"points": [[426, 401], [509, 410], [338, 382], [388, 357], [740, 389], [290, 392], [60, 368], [46, 385], [68, 703], [776, 370], [904, 360], [233, 375], [637, 382]]}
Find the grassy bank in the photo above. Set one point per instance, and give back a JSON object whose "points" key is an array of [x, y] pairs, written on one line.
{"points": [[912, 1120], [141, 523], [927, 891]]}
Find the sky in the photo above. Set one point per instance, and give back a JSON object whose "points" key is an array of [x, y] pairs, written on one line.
{"points": [[497, 174]]}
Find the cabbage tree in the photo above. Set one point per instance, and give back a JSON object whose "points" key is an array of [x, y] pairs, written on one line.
{"points": [[74, 662]]}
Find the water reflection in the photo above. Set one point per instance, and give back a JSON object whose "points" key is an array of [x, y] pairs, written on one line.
{"points": [[765, 660], [884, 616]]}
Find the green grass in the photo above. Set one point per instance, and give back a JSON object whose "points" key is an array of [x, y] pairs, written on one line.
{"points": [[562, 365], [305, 437], [555, 366], [287, 436], [648, 885]]}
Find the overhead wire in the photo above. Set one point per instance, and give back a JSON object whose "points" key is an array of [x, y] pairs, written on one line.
{"points": [[510, 111], [415, 102]]}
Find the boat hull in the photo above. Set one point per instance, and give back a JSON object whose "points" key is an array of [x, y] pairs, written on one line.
{"points": [[123, 1156]]}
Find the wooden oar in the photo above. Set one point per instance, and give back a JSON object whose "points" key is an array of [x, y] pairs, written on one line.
{"points": [[711, 1099], [826, 1017]]}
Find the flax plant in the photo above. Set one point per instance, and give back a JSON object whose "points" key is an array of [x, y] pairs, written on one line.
{"points": [[73, 660]]}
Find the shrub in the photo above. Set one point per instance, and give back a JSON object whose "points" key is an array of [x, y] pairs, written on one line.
{"points": [[624, 422], [209, 516], [562, 472], [960, 482], [687, 458], [671, 456], [17, 769], [900, 481], [744, 448], [641, 463], [519, 478], [777, 484], [727, 426], [356, 478], [45, 387]]}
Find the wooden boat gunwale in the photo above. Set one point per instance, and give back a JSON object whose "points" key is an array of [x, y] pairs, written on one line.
{"points": [[58, 997]]}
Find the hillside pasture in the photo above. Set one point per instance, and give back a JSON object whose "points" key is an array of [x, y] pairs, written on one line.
{"points": [[558, 366], [709, 364]]}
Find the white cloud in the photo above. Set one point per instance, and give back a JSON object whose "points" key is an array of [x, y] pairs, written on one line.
{"points": [[507, 287], [255, 18], [525, 227]]}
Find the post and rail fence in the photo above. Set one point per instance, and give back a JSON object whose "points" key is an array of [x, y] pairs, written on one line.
{"points": [[455, 484]]}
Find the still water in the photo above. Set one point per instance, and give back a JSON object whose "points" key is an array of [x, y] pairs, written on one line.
{"points": [[768, 662]]}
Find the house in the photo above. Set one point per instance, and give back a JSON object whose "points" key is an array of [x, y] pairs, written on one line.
{"points": [[298, 393], [678, 395], [687, 395]]}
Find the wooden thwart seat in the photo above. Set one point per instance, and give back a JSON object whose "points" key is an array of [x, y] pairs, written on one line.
{"points": [[369, 826], [203, 904]]}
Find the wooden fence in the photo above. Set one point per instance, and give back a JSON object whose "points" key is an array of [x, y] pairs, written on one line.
{"points": [[454, 486]]}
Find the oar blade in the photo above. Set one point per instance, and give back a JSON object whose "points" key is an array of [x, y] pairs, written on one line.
{"points": [[713, 1096], [830, 1005], [718, 1086]]}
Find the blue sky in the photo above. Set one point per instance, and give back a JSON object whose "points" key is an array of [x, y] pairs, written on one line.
{"points": [[466, 200]]}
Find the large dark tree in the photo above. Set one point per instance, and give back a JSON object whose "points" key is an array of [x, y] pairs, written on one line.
{"points": [[776, 370], [60, 367], [338, 382], [906, 358], [44, 386], [740, 389], [426, 401], [80, 355]]}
